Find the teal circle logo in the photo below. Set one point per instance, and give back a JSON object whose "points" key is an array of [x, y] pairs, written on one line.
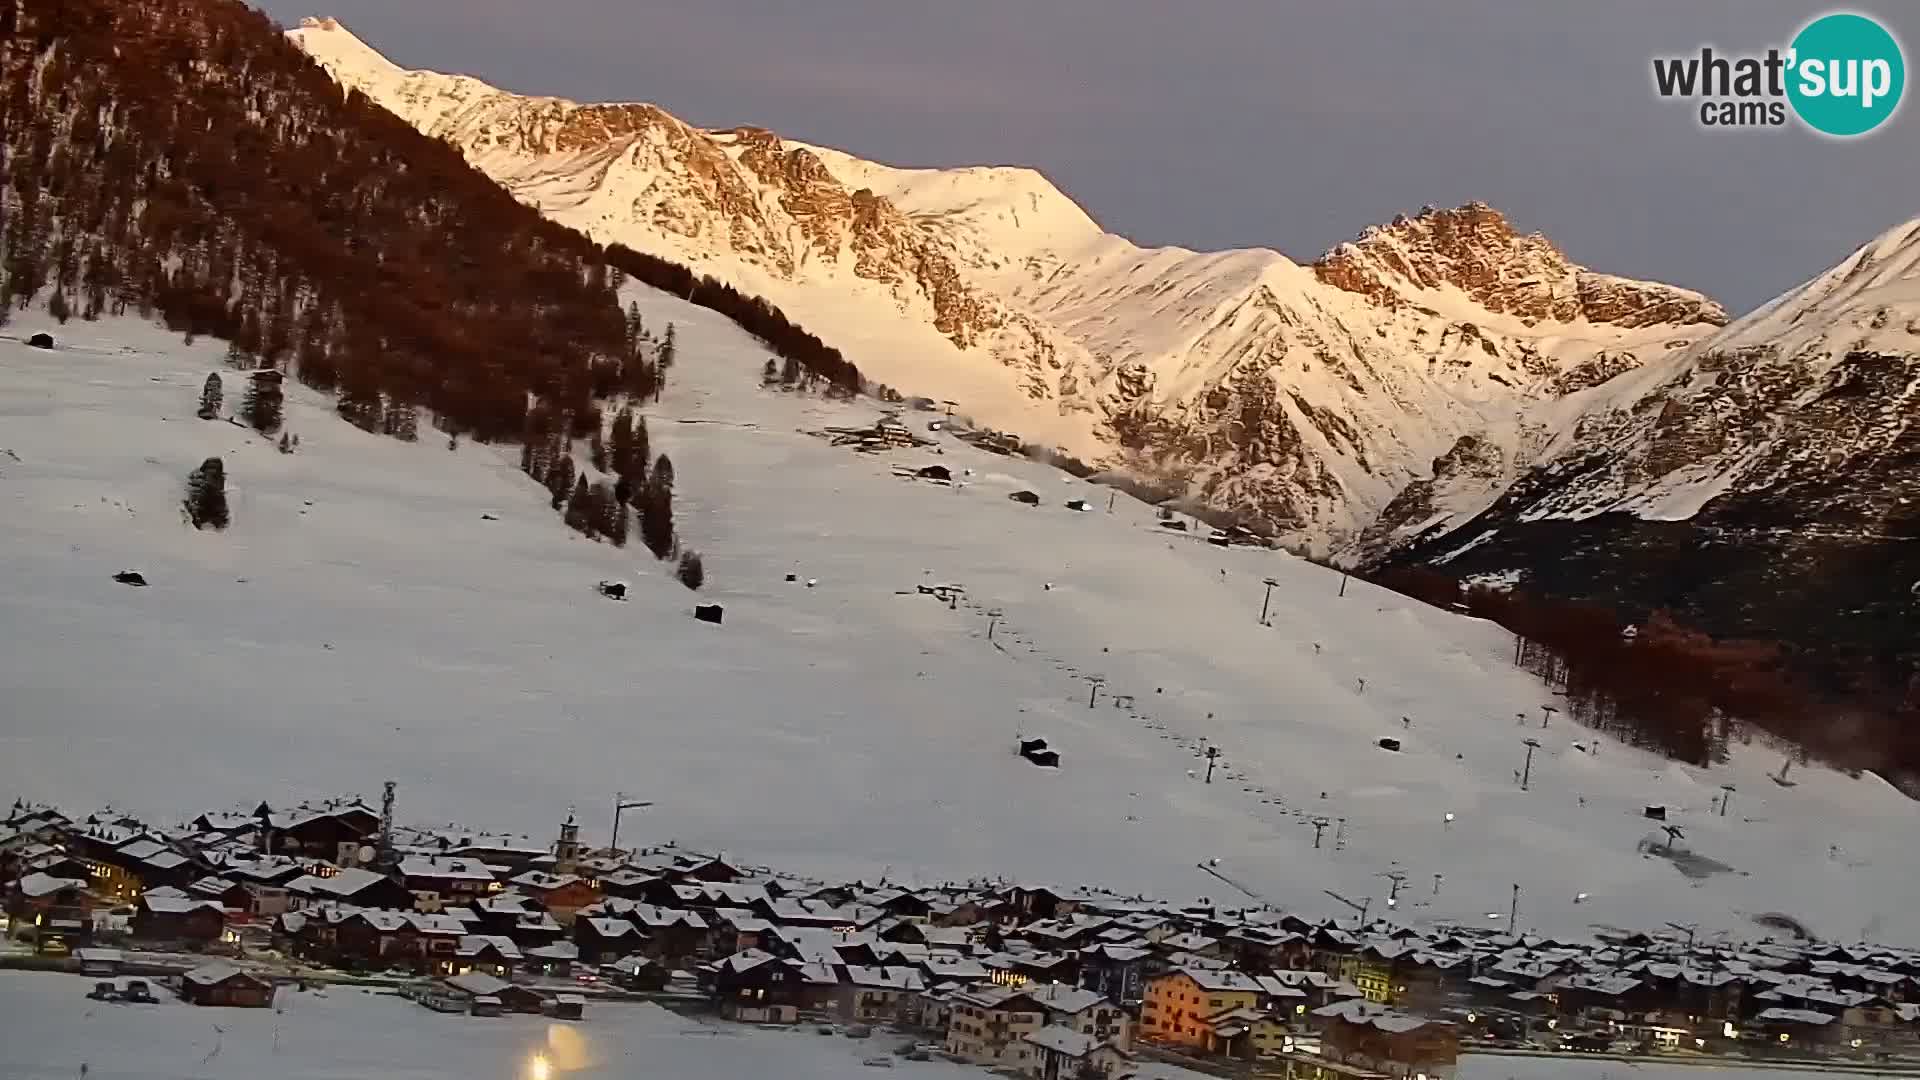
{"points": [[1847, 74]]}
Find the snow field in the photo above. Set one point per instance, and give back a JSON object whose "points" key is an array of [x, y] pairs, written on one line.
{"points": [[388, 630]]}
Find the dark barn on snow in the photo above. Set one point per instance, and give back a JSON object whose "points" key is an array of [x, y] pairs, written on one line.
{"points": [[1035, 750]]}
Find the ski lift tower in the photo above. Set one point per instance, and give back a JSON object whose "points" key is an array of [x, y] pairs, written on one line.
{"points": [[1395, 879], [1093, 687], [1526, 773], [1319, 826]]}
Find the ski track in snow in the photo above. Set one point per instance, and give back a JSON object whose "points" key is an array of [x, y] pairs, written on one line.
{"points": [[361, 621]]}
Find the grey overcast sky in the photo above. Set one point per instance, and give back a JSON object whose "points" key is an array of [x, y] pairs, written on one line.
{"points": [[1217, 123]]}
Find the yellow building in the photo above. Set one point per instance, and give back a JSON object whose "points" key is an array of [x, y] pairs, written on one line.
{"points": [[1178, 1004], [989, 1026], [1375, 983]]}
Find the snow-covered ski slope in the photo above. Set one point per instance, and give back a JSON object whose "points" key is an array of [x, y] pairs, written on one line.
{"points": [[364, 619]]}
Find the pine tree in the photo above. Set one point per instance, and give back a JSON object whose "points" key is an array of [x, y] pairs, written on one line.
{"points": [[57, 305], [206, 501], [619, 519], [621, 442], [637, 459], [643, 378], [691, 571], [597, 449], [580, 508], [360, 403], [560, 479], [656, 510], [790, 375], [286, 443], [668, 351], [212, 396], [769, 373], [602, 509], [402, 421], [262, 405]]}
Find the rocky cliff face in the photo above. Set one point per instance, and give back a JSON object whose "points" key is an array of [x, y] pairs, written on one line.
{"points": [[1307, 395], [1475, 250], [1764, 482]]}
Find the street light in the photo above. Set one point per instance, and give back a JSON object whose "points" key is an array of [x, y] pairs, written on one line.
{"points": [[620, 803]]}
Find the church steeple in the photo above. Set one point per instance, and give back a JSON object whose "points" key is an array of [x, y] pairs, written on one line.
{"points": [[566, 851]]}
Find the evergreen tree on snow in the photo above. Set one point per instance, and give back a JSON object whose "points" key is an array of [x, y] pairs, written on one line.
{"points": [[620, 442], [636, 472], [580, 515], [769, 373], [636, 329], [402, 421], [212, 396], [560, 479], [262, 406], [206, 501], [692, 572], [656, 510], [619, 518], [668, 351], [360, 404], [286, 443], [597, 449]]}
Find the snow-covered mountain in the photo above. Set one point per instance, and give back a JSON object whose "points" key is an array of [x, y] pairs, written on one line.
{"points": [[1310, 394], [389, 610], [1766, 478]]}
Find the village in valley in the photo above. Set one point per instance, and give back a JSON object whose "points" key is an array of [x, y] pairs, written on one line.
{"points": [[242, 909]]}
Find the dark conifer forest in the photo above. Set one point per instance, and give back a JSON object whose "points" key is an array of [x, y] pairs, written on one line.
{"points": [[182, 161], [1666, 687]]}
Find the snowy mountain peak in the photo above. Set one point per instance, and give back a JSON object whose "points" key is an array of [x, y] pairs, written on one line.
{"points": [[1307, 396], [1770, 467], [1475, 250], [340, 44]]}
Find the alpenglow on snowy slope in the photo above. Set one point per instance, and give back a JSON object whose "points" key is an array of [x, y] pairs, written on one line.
{"points": [[379, 610], [1310, 395]]}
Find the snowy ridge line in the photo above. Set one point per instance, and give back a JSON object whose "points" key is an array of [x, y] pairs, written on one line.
{"points": [[1309, 395]]}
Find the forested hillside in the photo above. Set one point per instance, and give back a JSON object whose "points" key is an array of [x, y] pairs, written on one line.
{"points": [[181, 160], [178, 158]]}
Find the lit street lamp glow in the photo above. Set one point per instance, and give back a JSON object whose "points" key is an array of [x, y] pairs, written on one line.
{"points": [[539, 1068]]}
